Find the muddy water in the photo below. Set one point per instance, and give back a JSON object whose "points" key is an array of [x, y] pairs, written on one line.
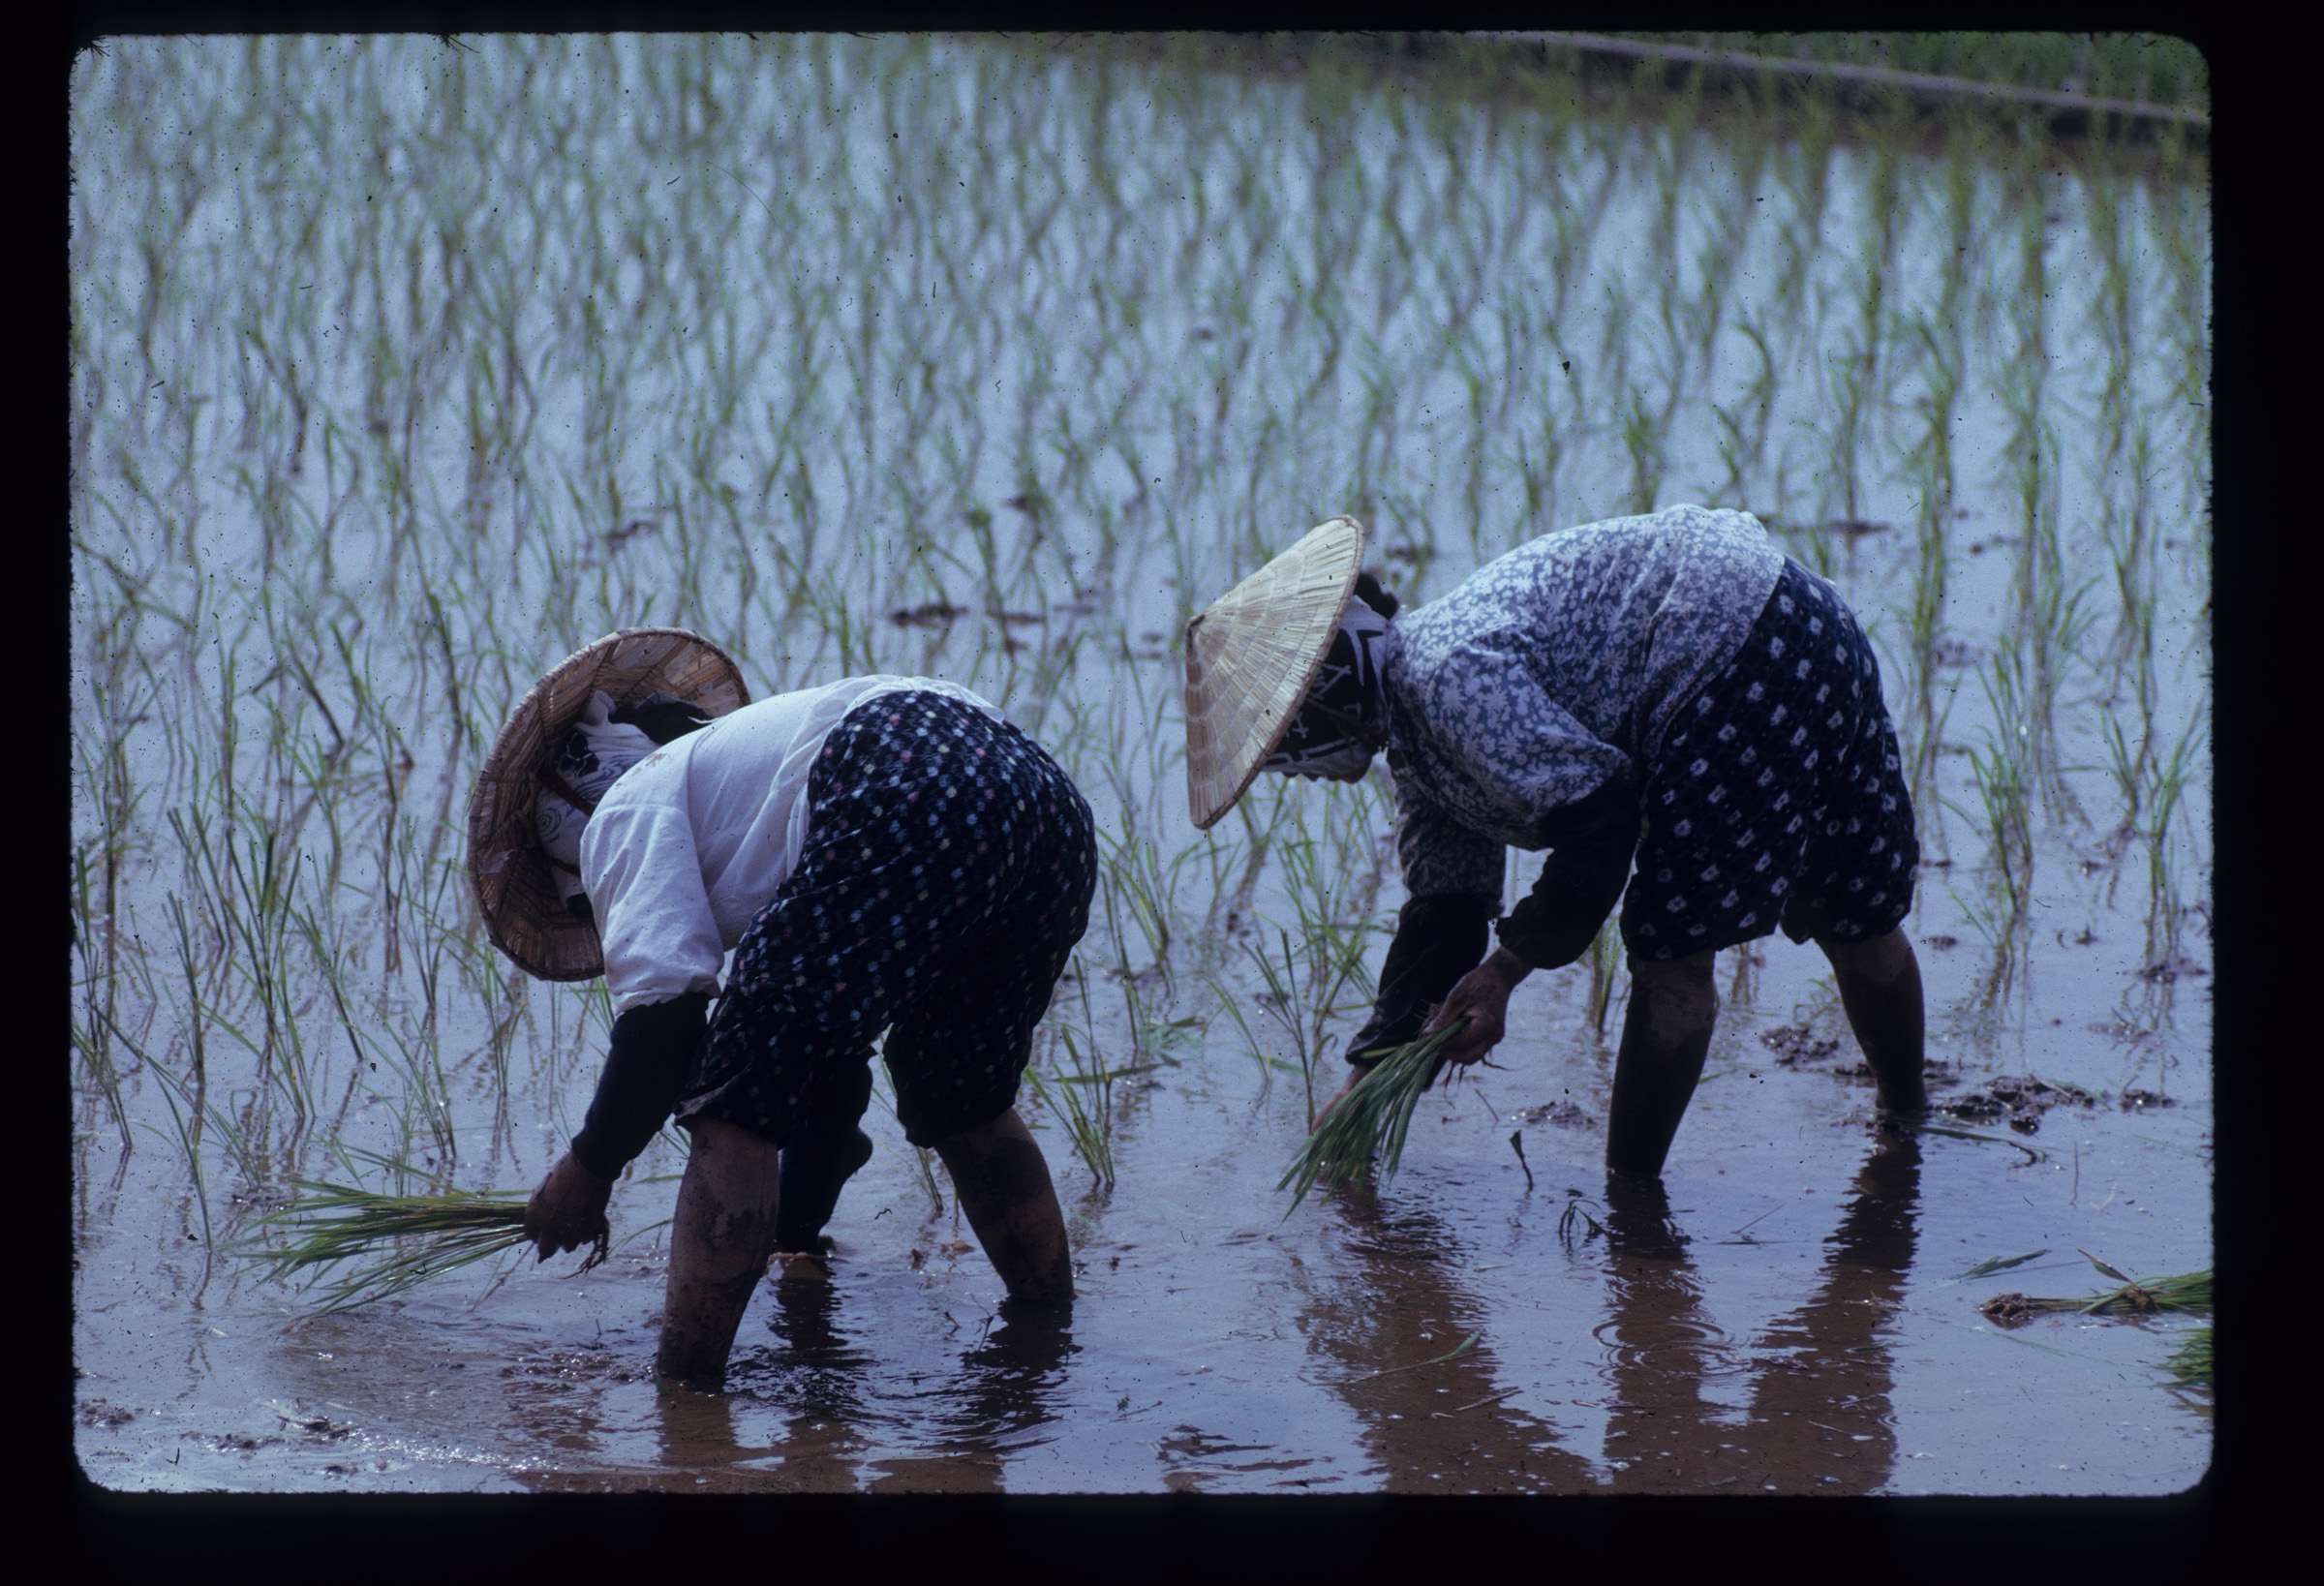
{"points": [[1787, 1313]]}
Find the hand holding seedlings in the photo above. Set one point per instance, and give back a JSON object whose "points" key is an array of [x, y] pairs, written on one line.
{"points": [[1369, 1119], [1481, 997], [568, 1209], [387, 1242]]}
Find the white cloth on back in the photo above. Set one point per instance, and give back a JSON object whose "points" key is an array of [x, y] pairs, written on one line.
{"points": [[695, 839]]}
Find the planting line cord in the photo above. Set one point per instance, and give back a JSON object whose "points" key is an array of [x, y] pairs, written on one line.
{"points": [[1598, 44]]}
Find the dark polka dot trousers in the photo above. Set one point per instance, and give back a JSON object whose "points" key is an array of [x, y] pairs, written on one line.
{"points": [[1779, 796], [947, 875]]}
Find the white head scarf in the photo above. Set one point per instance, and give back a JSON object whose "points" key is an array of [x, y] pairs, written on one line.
{"points": [[594, 756]]}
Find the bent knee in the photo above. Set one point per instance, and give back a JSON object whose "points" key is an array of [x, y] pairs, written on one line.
{"points": [[716, 1137], [978, 1139], [1879, 958]]}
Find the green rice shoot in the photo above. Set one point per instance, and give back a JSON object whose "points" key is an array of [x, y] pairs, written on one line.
{"points": [[394, 1241], [1369, 1121]]}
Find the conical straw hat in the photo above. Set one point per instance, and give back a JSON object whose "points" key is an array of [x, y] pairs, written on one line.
{"points": [[515, 888], [1251, 655]]}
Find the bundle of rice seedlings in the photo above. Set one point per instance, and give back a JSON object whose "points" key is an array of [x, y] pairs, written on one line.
{"points": [[396, 1241], [2185, 1291], [1370, 1120]]}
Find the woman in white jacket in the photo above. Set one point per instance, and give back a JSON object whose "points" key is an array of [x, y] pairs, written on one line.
{"points": [[883, 853]]}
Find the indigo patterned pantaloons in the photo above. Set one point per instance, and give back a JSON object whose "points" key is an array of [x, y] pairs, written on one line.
{"points": [[1779, 797], [947, 875]]}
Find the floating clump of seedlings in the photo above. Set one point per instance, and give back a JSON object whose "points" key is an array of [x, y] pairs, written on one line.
{"points": [[1370, 1120], [394, 1241], [2186, 1292]]}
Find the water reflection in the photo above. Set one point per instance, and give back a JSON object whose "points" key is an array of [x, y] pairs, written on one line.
{"points": [[1010, 1386], [1815, 1415], [1818, 1416], [817, 1378], [1445, 1427], [837, 1433]]}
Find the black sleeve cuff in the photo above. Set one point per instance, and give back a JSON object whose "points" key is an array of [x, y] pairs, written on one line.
{"points": [[653, 1056], [1591, 841], [1438, 940]]}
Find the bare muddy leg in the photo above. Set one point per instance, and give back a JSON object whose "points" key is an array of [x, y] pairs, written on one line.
{"points": [[1004, 1187], [720, 1240], [1880, 987], [1666, 1035]]}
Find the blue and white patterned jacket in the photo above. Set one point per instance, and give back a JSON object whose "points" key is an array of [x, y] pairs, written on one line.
{"points": [[1555, 671]]}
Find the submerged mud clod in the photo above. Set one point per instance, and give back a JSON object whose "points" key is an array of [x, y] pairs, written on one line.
{"points": [[1563, 1114], [1796, 1044], [2020, 1102]]}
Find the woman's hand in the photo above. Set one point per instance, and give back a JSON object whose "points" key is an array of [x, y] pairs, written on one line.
{"points": [[568, 1209], [1481, 997]]}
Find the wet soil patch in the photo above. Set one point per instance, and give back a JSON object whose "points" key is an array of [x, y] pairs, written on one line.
{"points": [[1796, 1044], [569, 1367], [1565, 1114], [2019, 1101], [99, 1412]]}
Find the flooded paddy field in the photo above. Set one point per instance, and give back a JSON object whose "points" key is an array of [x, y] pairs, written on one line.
{"points": [[405, 368]]}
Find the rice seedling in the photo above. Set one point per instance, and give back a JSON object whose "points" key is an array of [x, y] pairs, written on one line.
{"points": [[392, 1241], [1936, 487], [1304, 1003], [1453, 1353], [1997, 1264], [91, 1043], [2002, 774], [1604, 959], [1577, 1215], [1230, 999], [1085, 1112], [1369, 1122], [2127, 767], [1924, 1126], [189, 1141], [2169, 784]]}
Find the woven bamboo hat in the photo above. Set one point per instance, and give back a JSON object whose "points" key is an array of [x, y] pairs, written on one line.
{"points": [[1251, 655], [516, 891]]}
